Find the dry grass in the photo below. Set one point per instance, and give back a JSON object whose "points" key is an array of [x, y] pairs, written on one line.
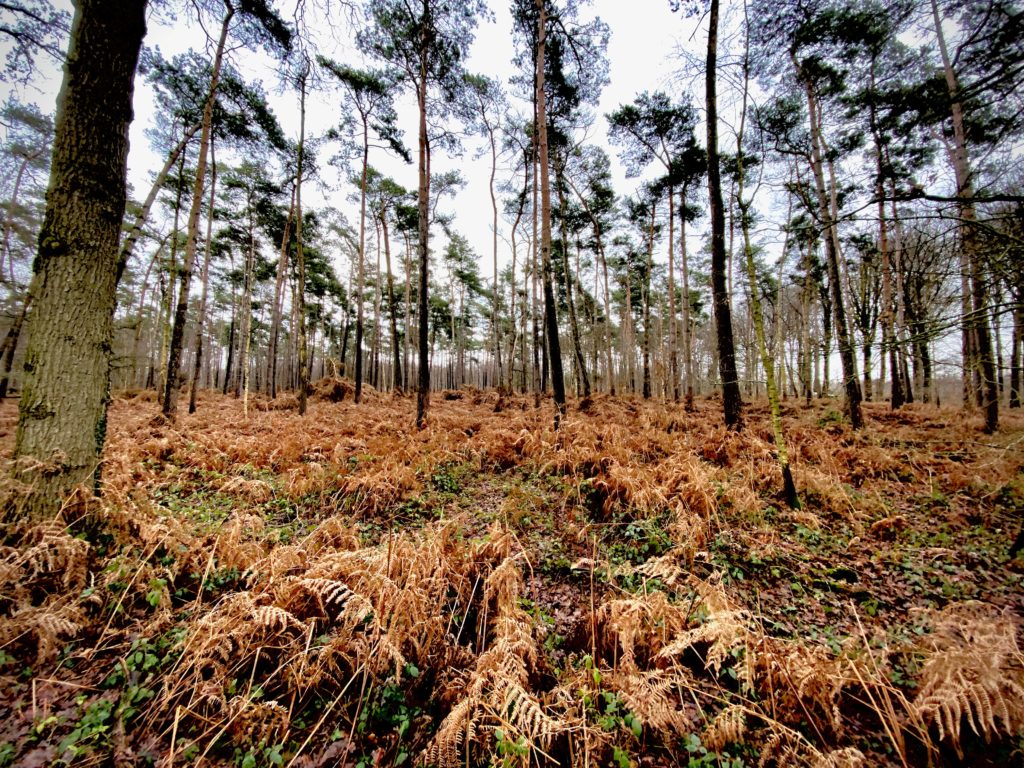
{"points": [[341, 588]]}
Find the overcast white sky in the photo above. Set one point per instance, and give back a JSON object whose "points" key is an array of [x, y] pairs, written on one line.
{"points": [[644, 36]]}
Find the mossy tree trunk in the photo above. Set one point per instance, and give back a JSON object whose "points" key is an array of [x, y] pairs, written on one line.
{"points": [[63, 408]]}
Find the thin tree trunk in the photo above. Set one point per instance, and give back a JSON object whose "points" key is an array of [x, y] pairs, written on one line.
{"points": [[396, 351], [1015, 355], [687, 320], [494, 246], [423, 388], [673, 337], [12, 206], [978, 319], [646, 297], [757, 315], [132, 236], [275, 323], [181, 313], [581, 363], [11, 342], [246, 331], [360, 268], [300, 255], [201, 319], [846, 356], [732, 403], [550, 318]]}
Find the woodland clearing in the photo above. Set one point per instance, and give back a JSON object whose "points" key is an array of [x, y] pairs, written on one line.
{"points": [[340, 589]]}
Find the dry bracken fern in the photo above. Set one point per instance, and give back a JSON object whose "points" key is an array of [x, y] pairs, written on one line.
{"points": [[974, 671], [728, 727]]}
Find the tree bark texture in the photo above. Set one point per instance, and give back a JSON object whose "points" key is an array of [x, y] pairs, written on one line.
{"points": [[63, 408]]}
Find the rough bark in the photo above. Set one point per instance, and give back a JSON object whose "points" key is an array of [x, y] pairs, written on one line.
{"points": [[63, 407]]}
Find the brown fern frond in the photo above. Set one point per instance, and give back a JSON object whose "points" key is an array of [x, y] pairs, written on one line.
{"points": [[728, 727], [45, 626], [643, 624], [974, 671], [655, 697], [456, 730]]}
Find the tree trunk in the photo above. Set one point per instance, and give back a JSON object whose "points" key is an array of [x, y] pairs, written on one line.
{"points": [[539, 379], [181, 313], [423, 385], [375, 347], [645, 295], [275, 322], [131, 238], [361, 266], [581, 363], [673, 337], [495, 330], [12, 205], [550, 318], [11, 342], [63, 406], [138, 312], [396, 351], [757, 317], [201, 319], [1015, 355], [687, 321], [978, 319], [300, 256], [732, 403], [842, 330], [246, 330], [888, 337]]}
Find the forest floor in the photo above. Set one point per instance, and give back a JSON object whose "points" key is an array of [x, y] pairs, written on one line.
{"points": [[341, 590]]}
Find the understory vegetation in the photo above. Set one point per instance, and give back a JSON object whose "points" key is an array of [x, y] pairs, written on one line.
{"points": [[339, 590]]}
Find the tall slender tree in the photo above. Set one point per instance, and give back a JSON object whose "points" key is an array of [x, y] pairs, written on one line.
{"points": [[732, 402], [258, 24], [427, 40], [369, 94], [653, 129]]}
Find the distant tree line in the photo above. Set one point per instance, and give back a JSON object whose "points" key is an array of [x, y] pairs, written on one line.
{"points": [[830, 193]]}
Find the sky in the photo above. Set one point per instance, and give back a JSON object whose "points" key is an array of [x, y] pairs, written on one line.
{"points": [[644, 53], [645, 36]]}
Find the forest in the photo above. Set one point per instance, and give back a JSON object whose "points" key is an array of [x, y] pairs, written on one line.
{"points": [[428, 382]]}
